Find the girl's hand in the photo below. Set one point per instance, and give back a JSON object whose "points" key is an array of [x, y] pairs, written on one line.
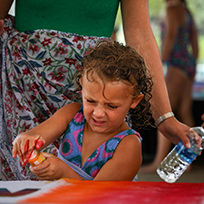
{"points": [[50, 169], [24, 144], [1, 26]]}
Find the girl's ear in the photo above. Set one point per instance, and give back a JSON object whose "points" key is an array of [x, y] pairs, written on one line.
{"points": [[80, 81], [136, 100]]}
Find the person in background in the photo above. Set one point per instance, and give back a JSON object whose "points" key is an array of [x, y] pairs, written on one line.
{"points": [[97, 141], [41, 55], [179, 52]]}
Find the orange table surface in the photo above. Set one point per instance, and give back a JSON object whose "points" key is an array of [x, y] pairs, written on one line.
{"points": [[122, 192]]}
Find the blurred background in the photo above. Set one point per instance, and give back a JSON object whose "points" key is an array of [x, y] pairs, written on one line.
{"points": [[156, 12]]}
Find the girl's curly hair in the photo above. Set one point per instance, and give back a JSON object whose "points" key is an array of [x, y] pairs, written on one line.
{"points": [[115, 62]]}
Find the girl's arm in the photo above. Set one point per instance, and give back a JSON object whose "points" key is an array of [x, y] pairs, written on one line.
{"points": [[125, 162], [54, 127], [138, 34], [45, 133]]}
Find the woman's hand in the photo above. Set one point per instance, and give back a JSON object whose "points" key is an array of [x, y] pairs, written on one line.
{"points": [[50, 169], [175, 131], [24, 144]]}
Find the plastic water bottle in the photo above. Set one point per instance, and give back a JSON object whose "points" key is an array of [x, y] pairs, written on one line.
{"points": [[180, 158]]}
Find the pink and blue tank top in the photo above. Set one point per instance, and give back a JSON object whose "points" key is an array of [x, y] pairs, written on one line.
{"points": [[71, 145]]}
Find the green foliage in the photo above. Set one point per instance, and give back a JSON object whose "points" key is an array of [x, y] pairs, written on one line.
{"points": [[156, 8], [201, 49]]}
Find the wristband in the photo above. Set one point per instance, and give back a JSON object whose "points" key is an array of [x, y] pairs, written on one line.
{"points": [[163, 118]]}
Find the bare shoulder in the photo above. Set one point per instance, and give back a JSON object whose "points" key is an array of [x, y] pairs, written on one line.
{"points": [[174, 7], [131, 144], [128, 155], [176, 14], [174, 4], [131, 140]]}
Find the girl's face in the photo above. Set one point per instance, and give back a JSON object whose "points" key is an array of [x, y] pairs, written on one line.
{"points": [[106, 107]]}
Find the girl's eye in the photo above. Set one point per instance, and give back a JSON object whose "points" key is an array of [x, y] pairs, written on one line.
{"points": [[112, 106], [90, 101]]}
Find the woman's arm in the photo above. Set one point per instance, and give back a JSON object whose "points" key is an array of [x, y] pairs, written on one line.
{"points": [[138, 34]]}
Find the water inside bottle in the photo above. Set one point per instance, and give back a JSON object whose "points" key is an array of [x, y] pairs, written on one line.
{"points": [[177, 161], [172, 168]]}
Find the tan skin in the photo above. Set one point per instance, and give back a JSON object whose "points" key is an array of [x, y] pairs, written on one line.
{"points": [[176, 80], [138, 34], [105, 113]]}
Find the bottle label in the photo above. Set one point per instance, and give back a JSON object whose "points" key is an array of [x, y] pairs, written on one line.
{"points": [[40, 159], [36, 158], [187, 155]]}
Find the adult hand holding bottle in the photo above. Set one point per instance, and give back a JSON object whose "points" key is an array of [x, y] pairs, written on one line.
{"points": [[180, 158]]}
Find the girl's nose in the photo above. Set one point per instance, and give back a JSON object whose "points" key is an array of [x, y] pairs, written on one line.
{"points": [[98, 111]]}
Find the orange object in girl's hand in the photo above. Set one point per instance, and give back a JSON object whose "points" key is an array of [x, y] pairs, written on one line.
{"points": [[36, 158]]}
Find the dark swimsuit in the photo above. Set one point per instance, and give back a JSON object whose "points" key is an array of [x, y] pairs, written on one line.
{"points": [[180, 56]]}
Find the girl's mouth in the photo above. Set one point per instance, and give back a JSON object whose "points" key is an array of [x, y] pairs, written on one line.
{"points": [[98, 122]]}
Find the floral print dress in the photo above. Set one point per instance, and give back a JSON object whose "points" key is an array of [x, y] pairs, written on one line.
{"points": [[37, 71]]}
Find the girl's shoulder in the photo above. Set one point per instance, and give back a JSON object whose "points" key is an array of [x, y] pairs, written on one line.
{"points": [[132, 140], [129, 151]]}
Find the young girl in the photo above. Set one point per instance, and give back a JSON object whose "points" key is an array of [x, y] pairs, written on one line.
{"points": [[97, 144]]}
